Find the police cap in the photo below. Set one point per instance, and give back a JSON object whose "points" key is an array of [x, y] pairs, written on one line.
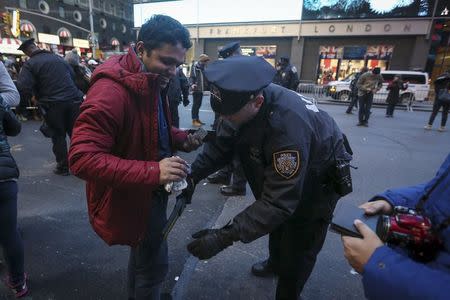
{"points": [[229, 49], [236, 80], [25, 44]]}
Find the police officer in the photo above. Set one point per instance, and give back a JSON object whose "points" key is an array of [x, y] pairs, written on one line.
{"points": [[51, 79], [286, 75], [233, 170], [288, 148]]}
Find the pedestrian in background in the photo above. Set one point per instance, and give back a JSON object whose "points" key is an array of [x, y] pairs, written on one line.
{"points": [[286, 75], [10, 239], [81, 80], [51, 79], [199, 84], [8, 89], [178, 91], [441, 83], [354, 91], [123, 146], [393, 97], [368, 85]]}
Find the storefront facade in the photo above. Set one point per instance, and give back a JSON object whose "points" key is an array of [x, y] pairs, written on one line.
{"points": [[334, 50], [439, 56], [268, 40], [62, 25], [326, 50], [329, 40]]}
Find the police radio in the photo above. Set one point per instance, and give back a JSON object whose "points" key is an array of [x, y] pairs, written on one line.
{"points": [[341, 177]]}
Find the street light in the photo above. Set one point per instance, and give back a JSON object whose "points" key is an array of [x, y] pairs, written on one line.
{"points": [[92, 38]]}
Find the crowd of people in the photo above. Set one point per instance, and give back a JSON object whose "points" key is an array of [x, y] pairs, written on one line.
{"points": [[366, 84], [122, 121]]}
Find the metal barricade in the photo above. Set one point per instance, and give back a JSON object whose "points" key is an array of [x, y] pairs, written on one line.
{"points": [[311, 90]]}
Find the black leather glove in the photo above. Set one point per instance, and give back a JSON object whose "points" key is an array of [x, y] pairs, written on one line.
{"points": [[186, 102], [209, 242]]}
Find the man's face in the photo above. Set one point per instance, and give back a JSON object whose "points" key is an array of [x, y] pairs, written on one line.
{"points": [[246, 113], [162, 61]]}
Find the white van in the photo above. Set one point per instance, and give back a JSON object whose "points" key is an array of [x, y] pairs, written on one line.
{"points": [[418, 87]]}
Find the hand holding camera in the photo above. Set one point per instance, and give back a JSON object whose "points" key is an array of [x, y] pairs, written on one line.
{"points": [[376, 207], [358, 251], [399, 226]]}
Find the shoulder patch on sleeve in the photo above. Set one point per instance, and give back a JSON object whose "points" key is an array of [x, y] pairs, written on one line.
{"points": [[286, 163]]}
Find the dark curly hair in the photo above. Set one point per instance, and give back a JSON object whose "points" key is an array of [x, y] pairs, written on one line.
{"points": [[160, 29]]}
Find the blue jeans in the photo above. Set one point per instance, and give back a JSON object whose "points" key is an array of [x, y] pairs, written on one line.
{"points": [[149, 263], [10, 239]]}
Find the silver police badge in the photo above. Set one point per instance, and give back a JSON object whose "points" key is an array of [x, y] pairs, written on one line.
{"points": [[286, 163]]}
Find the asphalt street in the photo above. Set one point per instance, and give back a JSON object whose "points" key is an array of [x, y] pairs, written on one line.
{"points": [[66, 260]]}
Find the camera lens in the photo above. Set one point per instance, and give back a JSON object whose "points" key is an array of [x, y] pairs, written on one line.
{"points": [[383, 227]]}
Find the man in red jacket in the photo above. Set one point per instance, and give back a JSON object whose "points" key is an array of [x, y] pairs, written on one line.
{"points": [[122, 145]]}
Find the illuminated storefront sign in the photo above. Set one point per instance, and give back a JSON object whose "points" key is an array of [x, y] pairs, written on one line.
{"points": [[48, 38], [418, 27], [265, 30]]}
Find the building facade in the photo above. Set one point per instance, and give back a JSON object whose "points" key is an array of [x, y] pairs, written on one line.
{"points": [[329, 42], [325, 50], [60, 25]]}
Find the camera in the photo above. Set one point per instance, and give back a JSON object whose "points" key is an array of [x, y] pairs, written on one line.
{"points": [[411, 230]]}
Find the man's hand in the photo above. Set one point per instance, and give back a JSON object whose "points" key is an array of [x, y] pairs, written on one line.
{"points": [[172, 169], [377, 207], [358, 251], [209, 242], [193, 87], [192, 142]]}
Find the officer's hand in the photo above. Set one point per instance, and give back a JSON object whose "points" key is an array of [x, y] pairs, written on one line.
{"points": [[208, 243], [377, 207], [172, 169], [194, 86], [186, 102], [192, 142], [358, 251]]}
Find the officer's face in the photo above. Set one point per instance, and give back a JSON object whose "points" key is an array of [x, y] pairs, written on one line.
{"points": [[246, 113], [162, 61]]}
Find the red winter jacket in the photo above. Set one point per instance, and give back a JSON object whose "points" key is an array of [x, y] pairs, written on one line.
{"points": [[114, 147]]}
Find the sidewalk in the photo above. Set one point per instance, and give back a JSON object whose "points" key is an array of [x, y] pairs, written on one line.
{"points": [[426, 106], [228, 276]]}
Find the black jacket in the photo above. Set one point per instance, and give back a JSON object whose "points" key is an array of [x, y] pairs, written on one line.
{"points": [[286, 153], [178, 87], [9, 125], [287, 77], [394, 91], [196, 77], [81, 79], [441, 82], [49, 77]]}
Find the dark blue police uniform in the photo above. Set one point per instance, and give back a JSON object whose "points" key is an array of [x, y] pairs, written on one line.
{"points": [[233, 170], [288, 151]]}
